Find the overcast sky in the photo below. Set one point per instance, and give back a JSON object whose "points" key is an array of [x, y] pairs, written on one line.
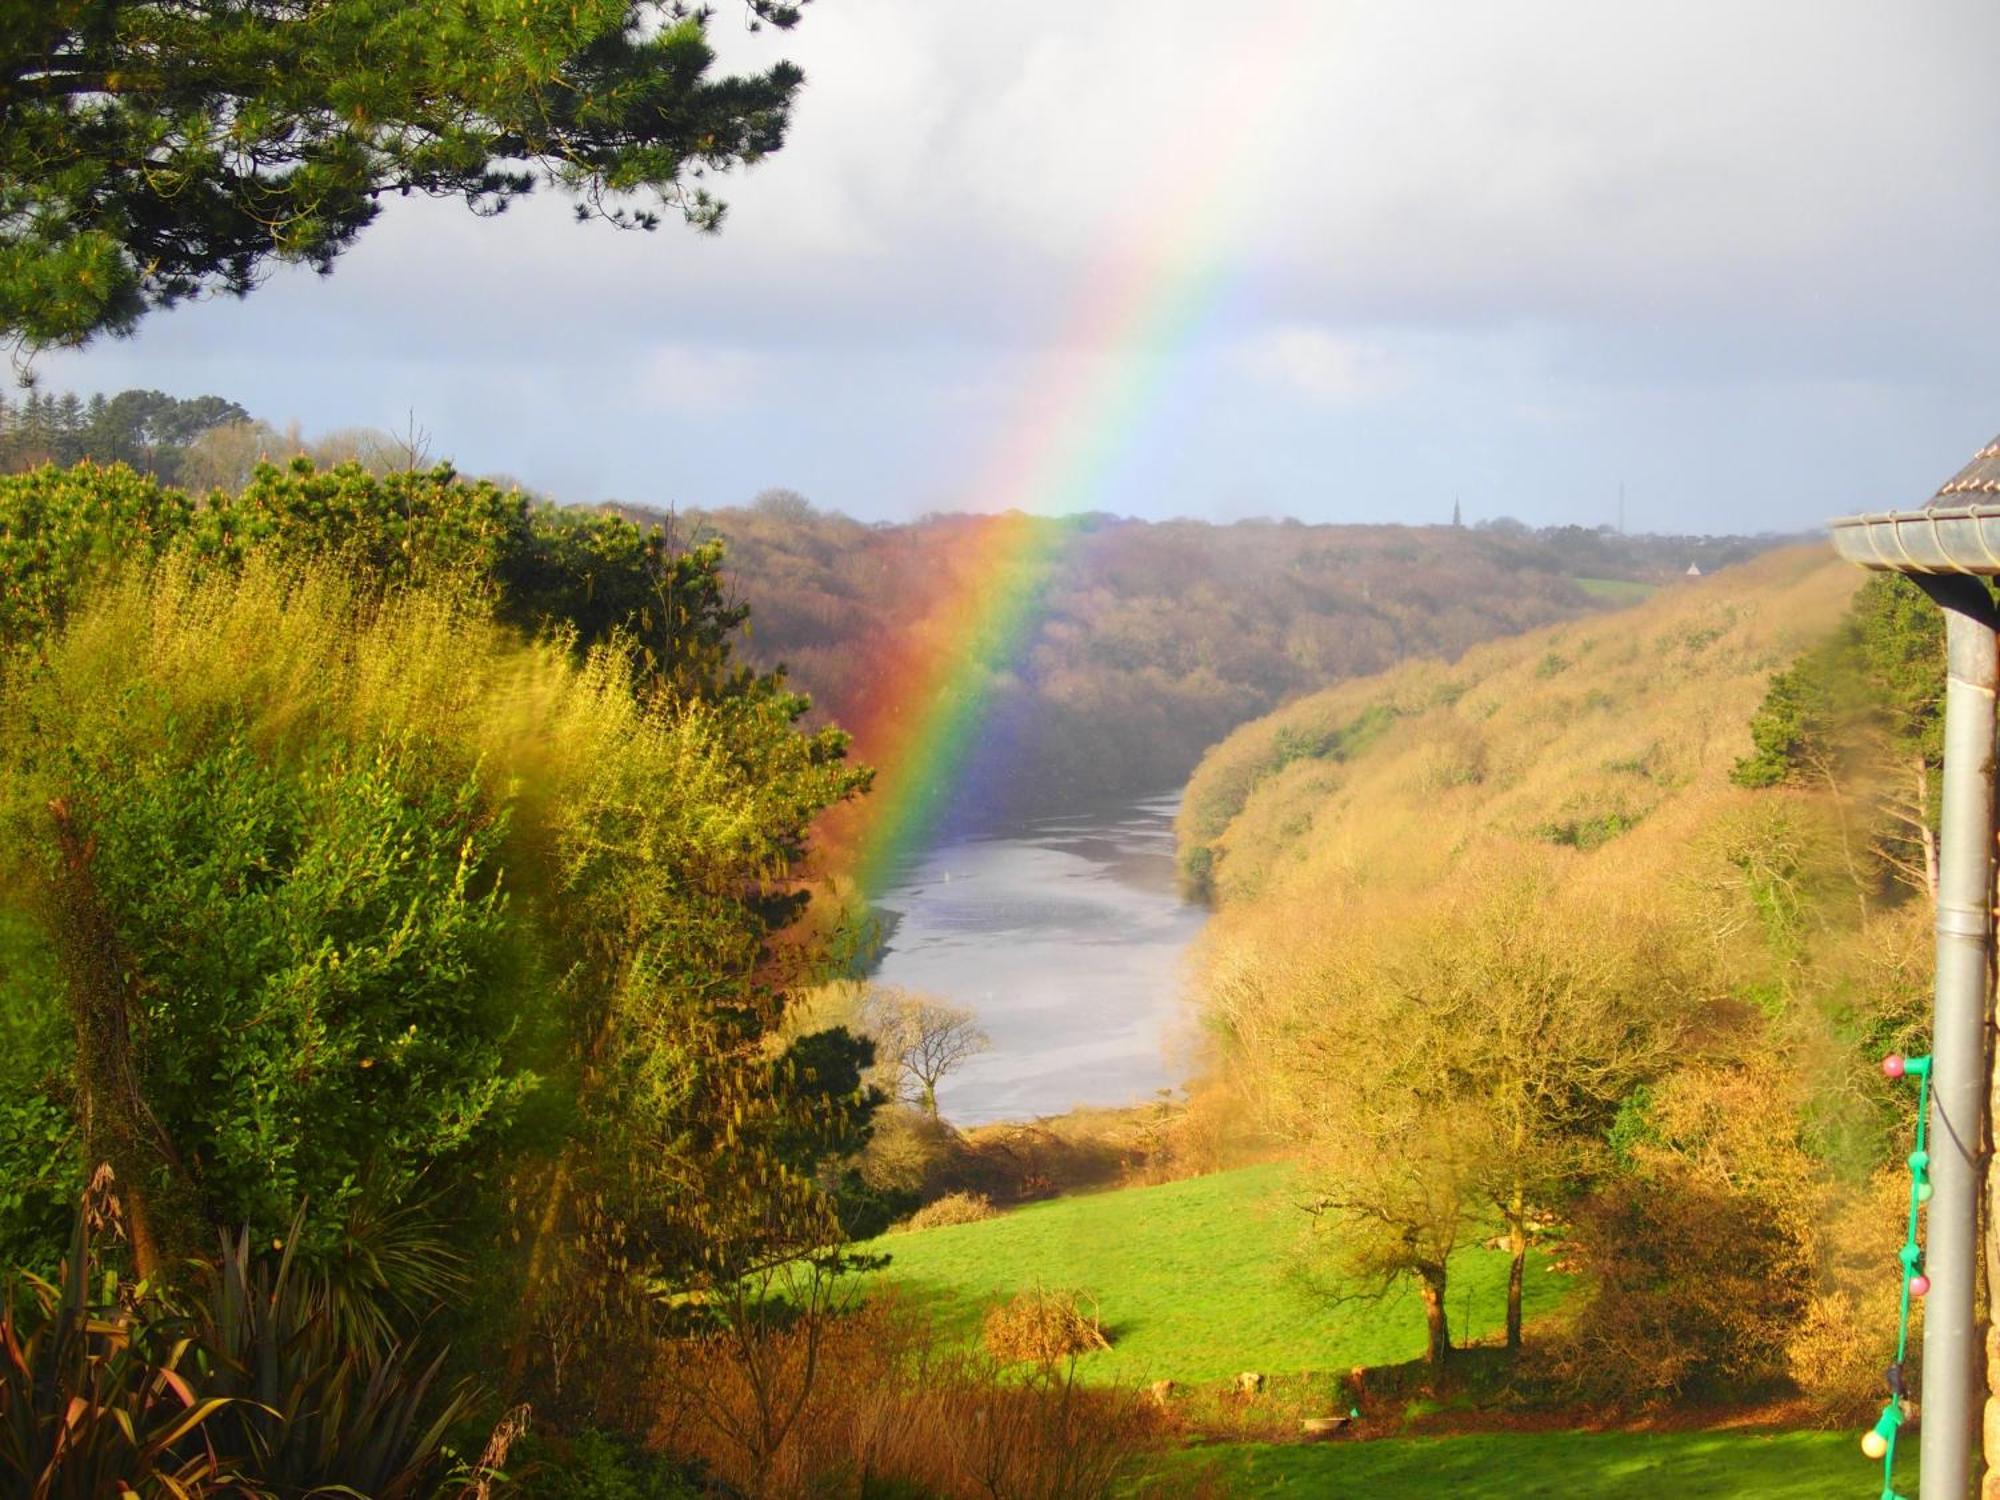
{"points": [[1164, 257]]}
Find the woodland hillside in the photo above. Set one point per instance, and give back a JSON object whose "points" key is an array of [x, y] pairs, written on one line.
{"points": [[1576, 939], [1607, 733], [1156, 639]]}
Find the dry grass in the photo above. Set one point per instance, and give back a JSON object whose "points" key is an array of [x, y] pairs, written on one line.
{"points": [[893, 1411], [1639, 714]]}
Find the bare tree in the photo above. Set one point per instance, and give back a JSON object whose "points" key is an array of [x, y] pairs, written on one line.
{"points": [[921, 1039], [412, 446]]}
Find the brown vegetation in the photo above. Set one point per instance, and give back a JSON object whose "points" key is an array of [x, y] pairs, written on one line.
{"points": [[1021, 1161], [952, 1208], [893, 1410], [1044, 1326]]}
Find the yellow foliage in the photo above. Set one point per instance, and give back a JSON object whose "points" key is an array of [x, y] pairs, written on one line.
{"points": [[1648, 716], [1360, 846]]}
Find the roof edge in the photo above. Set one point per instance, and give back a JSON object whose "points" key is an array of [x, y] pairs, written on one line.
{"points": [[1950, 539]]}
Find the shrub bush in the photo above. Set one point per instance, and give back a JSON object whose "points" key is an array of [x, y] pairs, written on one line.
{"points": [[594, 1465], [1044, 1326], [953, 1208], [110, 1386]]}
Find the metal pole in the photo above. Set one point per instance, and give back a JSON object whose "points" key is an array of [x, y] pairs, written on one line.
{"points": [[1951, 1390]]}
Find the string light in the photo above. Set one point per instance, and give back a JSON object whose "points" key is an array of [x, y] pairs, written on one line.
{"points": [[1880, 1440]]}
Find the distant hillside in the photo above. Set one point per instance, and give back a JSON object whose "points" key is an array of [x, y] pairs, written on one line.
{"points": [[1617, 728], [1156, 639]]}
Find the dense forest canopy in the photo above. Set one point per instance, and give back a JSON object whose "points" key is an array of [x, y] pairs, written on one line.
{"points": [[1152, 639], [146, 430], [1156, 639]]}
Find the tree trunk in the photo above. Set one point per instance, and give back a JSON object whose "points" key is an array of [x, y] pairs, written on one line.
{"points": [[1517, 1245], [118, 1128], [1432, 1285]]}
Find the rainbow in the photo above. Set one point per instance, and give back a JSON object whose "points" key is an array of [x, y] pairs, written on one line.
{"points": [[1143, 303], [920, 729]]}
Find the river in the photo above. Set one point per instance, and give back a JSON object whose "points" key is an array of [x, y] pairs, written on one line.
{"points": [[1067, 936]]}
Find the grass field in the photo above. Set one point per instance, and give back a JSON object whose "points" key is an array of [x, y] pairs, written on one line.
{"points": [[1192, 1281], [1615, 590], [1528, 1465]]}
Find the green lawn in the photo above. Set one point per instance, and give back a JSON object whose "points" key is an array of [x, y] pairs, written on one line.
{"points": [[1569, 1465], [1615, 590], [1191, 1280]]}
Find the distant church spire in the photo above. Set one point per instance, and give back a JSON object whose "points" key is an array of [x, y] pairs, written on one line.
{"points": [[1456, 519]]}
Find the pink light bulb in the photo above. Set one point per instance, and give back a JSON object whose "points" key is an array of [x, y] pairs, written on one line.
{"points": [[1919, 1285], [1892, 1066]]}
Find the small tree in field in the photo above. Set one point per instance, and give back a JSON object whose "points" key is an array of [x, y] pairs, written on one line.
{"points": [[1453, 1060], [1396, 1198], [1545, 1014], [922, 1039]]}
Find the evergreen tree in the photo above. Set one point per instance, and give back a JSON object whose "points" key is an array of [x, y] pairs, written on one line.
{"points": [[69, 428], [153, 151], [1861, 716], [149, 430]]}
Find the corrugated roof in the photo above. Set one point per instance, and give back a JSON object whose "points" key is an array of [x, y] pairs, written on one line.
{"points": [[1978, 481]]}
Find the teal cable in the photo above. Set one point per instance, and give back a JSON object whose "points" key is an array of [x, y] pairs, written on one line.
{"points": [[1911, 1257]]}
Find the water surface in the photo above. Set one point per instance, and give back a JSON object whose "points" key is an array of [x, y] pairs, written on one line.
{"points": [[1066, 935]]}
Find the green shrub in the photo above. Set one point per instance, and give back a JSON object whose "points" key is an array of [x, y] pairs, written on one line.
{"points": [[597, 575], [1587, 833], [331, 985], [347, 871]]}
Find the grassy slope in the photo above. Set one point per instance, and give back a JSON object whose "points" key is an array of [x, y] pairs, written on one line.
{"points": [[1522, 1466], [1616, 590], [1192, 1279]]}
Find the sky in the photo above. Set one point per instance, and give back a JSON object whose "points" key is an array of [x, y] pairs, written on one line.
{"points": [[1346, 262]]}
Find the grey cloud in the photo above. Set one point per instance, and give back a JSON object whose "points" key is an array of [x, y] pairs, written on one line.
{"points": [[1738, 255]]}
